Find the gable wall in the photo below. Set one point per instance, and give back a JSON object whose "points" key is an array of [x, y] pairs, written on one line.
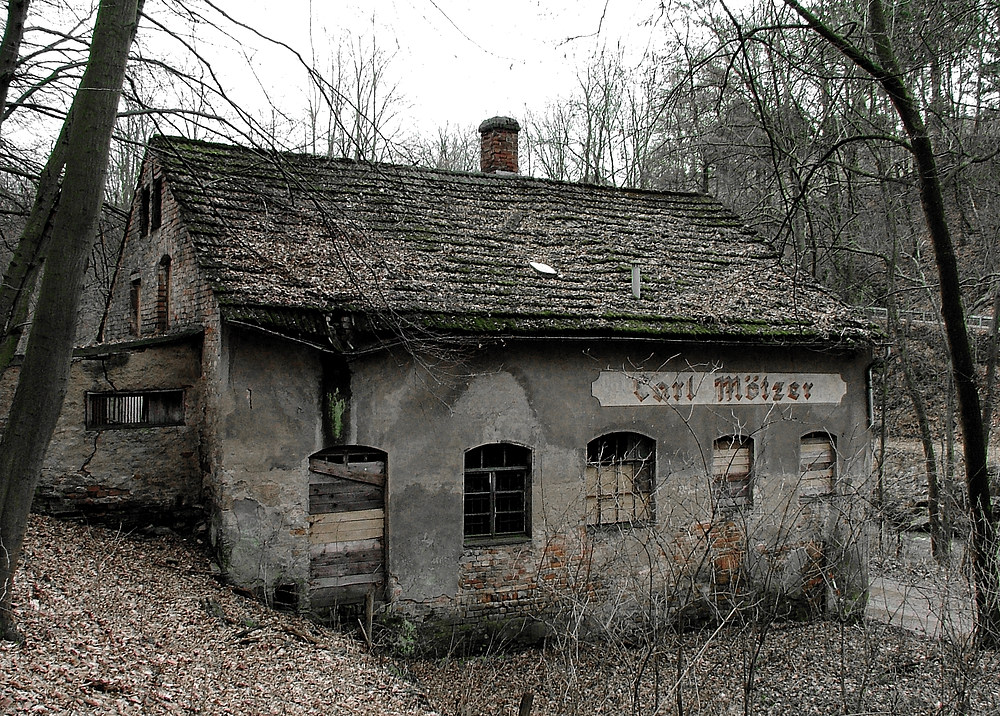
{"points": [[141, 471], [191, 303]]}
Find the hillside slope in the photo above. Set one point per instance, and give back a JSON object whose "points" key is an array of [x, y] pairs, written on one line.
{"points": [[126, 625]]}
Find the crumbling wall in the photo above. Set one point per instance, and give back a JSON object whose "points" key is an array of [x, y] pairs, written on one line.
{"points": [[127, 474]]}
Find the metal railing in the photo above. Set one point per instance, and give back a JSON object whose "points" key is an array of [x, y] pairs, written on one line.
{"points": [[974, 323]]}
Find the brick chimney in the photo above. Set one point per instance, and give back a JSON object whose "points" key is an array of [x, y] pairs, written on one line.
{"points": [[499, 145]]}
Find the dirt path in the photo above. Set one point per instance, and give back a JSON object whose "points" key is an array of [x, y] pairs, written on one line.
{"points": [[935, 610], [919, 595]]}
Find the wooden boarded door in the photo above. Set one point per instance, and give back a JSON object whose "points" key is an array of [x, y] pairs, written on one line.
{"points": [[346, 526]]}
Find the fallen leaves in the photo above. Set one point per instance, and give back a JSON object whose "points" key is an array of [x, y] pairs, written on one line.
{"points": [[119, 624]]}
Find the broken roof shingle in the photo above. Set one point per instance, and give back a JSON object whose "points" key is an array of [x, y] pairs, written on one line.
{"points": [[279, 234]]}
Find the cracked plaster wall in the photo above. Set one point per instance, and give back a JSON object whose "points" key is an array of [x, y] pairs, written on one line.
{"points": [[133, 474]]}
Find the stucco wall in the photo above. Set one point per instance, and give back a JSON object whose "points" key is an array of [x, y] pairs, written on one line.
{"points": [[267, 424], [540, 395], [130, 474]]}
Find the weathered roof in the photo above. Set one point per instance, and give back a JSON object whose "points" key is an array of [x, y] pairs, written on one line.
{"points": [[290, 240]]}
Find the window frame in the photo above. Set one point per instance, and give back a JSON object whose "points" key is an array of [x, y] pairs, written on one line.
{"points": [[638, 453], [807, 484], [515, 461], [169, 403], [731, 501], [144, 195], [135, 306]]}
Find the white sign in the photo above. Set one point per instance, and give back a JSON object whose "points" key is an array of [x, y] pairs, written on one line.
{"points": [[620, 388]]}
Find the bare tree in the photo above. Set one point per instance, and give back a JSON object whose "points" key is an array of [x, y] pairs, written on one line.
{"points": [[44, 373], [882, 64]]}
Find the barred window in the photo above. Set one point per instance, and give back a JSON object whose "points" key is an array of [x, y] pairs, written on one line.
{"points": [[140, 409], [497, 491], [619, 480], [732, 472]]}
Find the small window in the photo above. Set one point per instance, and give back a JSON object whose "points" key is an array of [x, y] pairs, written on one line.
{"points": [[163, 295], [817, 464], [497, 491], [732, 472], [620, 469], [155, 205], [144, 211], [135, 306], [141, 409]]}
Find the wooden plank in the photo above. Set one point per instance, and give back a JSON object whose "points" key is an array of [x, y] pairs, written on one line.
{"points": [[344, 532], [735, 460], [360, 545], [340, 495], [373, 554], [328, 597], [371, 566], [342, 517], [346, 581], [372, 473]]}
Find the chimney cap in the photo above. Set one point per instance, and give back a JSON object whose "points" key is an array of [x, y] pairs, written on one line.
{"points": [[499, 123]]}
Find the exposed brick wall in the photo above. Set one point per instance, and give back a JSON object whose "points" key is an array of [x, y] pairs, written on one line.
{"points": [[706, 563], [497, 581], [172, 298]]}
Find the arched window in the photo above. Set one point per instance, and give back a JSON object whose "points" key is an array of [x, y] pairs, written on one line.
{"points": [[135, 306], [619, 480], [817, 464], [732, 472], [497, 491], [163, 294]]}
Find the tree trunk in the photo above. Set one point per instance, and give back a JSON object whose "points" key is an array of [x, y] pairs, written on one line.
{"points": [[939, 547], [991, 367], [10, 48], [44, 374], [886, 71]]}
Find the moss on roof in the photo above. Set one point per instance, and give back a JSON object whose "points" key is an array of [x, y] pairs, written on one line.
{"points": [[285, 239]]}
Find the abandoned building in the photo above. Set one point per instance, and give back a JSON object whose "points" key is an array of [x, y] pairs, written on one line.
{"points": [[469, 394]]}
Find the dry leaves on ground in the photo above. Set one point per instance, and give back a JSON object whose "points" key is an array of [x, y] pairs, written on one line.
{"points": [[117, 624]]}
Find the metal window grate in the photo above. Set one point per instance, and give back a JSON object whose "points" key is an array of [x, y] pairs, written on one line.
{"points": [[135, 409]]}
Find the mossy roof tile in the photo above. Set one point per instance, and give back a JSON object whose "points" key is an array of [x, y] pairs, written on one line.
{"points": [[278, 233]]}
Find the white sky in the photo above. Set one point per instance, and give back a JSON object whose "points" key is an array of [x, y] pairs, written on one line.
{"points": [[455, 61]]}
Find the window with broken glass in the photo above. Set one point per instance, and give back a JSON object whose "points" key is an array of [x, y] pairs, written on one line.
{"points": [[497, 491], [139, 409], [619, 479]]}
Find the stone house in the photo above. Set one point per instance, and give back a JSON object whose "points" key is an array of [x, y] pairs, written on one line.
{"points": [[470, 394]]}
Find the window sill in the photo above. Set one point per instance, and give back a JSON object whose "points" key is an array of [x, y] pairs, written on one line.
{"points": [[479, 542]]}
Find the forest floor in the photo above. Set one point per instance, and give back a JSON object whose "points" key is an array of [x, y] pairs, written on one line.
{"points": [[124, 624]]}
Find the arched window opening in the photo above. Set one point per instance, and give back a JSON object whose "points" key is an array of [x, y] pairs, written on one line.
{"points": [[619, 479], [163, 294], [817, 464], [135, 306], [732, 472], [497, 491]]}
